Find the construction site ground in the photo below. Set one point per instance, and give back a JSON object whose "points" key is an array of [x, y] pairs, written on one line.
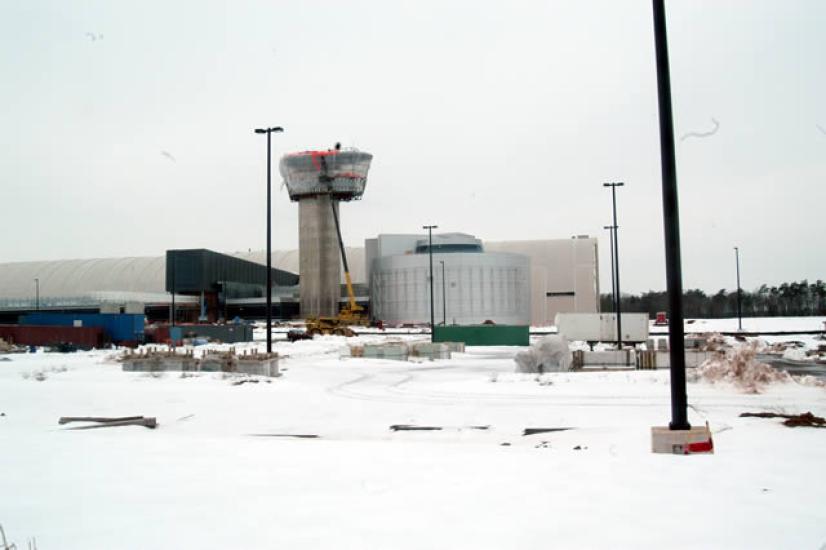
{"points": [[310, 459]]}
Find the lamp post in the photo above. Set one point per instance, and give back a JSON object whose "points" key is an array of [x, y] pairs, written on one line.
{"points": [[36, 294], [269, 132], [618, 298], [610, 229], [671, 223], [173, 314], [430, 229], [444, 295], [739, 292]]}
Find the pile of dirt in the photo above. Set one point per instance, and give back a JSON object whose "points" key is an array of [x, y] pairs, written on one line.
{"points": [[714, 342], [806, 419], [740, 367]]}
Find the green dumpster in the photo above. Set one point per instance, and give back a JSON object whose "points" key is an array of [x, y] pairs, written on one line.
{"points": [[484, 335]]}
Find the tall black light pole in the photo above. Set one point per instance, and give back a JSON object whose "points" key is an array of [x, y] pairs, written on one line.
{"points": [[444, 295], [269, 132], [671, 222], [610, 229], [430, 229], [618, 298], [739, 292], [36, 294], [174, 313]]}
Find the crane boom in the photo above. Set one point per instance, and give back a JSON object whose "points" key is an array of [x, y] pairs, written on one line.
{"points": [[351, 295]]}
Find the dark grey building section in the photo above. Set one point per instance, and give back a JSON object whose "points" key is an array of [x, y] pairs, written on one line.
{"points": [[200, 270]]}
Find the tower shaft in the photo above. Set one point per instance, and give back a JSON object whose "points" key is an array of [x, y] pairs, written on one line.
{"points": [[319, 260]]}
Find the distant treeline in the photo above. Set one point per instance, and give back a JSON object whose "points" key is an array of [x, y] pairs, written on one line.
{"points": [[788, 299]]}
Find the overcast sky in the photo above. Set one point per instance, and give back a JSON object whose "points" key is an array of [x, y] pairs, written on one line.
{"points": [[127, 126]]}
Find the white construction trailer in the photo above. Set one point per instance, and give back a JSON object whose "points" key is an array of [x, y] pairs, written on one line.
{"points": [[602, 327]]}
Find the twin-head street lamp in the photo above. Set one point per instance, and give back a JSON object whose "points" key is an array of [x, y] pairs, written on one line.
{"points": [[615, 263], [269, 132], [430, 229]]}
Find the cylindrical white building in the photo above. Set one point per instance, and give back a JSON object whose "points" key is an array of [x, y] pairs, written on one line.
{"points": [[473, 287]]}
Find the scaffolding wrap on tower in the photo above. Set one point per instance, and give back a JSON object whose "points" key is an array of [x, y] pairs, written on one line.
{"points": [[340, 173], [318, 181]]}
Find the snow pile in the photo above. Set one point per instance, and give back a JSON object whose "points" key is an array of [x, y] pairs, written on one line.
{"points": [[740, 367], [795, 354], [550, 354]]}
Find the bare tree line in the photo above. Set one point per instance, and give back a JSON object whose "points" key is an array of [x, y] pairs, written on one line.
{"points": [[788, 299]]}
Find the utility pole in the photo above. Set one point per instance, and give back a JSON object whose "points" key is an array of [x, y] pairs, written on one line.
{"points": [[269, 132], [430, 229], [671, 222], [618, 299], [739, 292]]}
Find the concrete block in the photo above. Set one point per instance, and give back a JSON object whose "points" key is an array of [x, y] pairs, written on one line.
{"points": [[397, 351], [695, 440], [623, 358], [430, 350]]}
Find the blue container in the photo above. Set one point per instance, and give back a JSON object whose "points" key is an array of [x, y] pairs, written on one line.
{"points": [[119, 327]]}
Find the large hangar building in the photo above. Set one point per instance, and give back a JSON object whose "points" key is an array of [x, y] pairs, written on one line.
{"points": [[505, 282]]}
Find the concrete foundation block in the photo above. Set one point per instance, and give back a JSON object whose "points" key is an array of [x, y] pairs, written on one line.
{"points": [[398, 351], [696, 440], [430, 350]]}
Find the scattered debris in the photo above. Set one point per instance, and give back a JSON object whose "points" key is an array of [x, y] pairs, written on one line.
{"points": [[105, 422], [411, 428], [245, 381], [63, 347], [806, 419], [505, 444], [67, 419], [580, 448], [187, 417], [294, 335], [4, 359], [543, 445], [297, 436], [533, 431]]}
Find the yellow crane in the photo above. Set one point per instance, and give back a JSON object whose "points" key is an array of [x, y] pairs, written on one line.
{"points": [[352, 313]]}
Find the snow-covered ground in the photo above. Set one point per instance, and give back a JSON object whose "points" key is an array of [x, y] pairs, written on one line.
{"points": [[207, 477]]}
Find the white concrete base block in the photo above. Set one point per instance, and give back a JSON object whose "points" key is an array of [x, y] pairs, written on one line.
{"points": [[681, 442]]}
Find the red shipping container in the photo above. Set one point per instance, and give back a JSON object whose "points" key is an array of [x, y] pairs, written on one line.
{"points": [[82, 337]]}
